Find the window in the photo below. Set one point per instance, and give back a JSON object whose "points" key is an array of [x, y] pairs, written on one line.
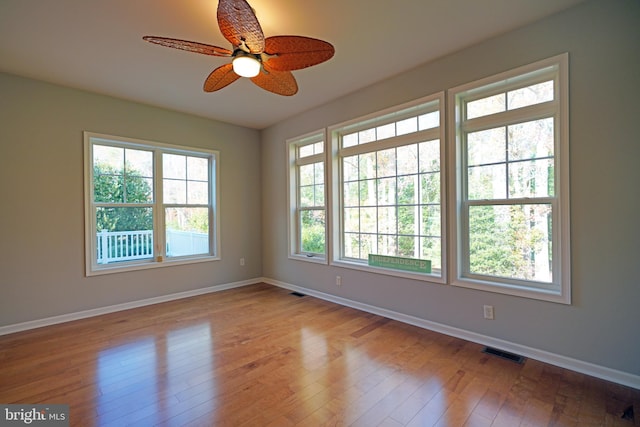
{"points": [[147, 204], [387, 178], [307, 214], [511, 218]]}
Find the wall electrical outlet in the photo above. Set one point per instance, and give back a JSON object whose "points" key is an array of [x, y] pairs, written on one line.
{"points": [[338, 281], [488, 312], [241, 261]]}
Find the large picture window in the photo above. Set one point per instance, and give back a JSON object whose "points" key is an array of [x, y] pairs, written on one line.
{"points": [[511, 153], [147, 204], [388, 204]]}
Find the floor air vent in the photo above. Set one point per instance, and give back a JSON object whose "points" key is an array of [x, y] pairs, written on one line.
{"points": [[297, 294], [504, 354]]}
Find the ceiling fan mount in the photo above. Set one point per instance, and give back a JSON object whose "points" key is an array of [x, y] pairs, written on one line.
{"points": [[268, 61]]}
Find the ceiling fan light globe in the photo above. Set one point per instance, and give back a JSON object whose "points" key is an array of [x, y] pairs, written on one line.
{"points": [[246, 66]]}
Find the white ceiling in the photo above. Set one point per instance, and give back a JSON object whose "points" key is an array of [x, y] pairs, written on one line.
{"points": [[97, 45]]}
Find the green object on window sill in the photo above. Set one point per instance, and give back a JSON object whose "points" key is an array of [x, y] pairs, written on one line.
{"points": [[400, 263]]}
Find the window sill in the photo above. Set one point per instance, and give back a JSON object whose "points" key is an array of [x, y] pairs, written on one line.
{"points": [[316, 258], [146, 265], [549, 295]]}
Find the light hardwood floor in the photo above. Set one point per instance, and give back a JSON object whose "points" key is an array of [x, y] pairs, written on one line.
{"points": [[259, 356]]}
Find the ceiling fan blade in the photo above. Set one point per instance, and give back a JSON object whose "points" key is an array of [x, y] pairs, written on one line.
{"points": [[278, 82], [205, 49], [238, 23], [221, 77], [296, 52]]}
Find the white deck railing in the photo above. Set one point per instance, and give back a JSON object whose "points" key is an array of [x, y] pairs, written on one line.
{"points": [[114, 246]]}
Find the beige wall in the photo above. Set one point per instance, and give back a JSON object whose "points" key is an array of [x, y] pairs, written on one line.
{"points": [[42, 211], [601, 326]]}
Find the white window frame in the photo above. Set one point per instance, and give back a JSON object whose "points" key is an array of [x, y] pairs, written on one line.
{"points": [[159, 258], [294, 161], [556, 68], [435, 102]]}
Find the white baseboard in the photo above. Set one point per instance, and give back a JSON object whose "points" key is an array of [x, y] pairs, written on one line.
{"points": [[576, 365], [18, 327]]}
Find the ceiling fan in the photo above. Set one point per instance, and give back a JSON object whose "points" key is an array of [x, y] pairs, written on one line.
{"points": [[268, 62]]}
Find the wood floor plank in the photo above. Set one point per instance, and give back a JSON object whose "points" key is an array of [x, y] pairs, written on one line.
{"points": [[258, 356]]}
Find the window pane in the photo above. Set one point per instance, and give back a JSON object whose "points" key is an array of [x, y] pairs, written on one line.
{"points": [[197, 169], [531, 179], [386, 131], [487, 182], [350, 168], [531, 140], [318, 171], [350, 140], [485, 106], [408, 220], [123, 234], [386, 191], [174, 191], [367, 192], [139, 163], [530, 95], [197, 193], [306, 175], [407, 126], [368, 245], [511, 241], [387, 245], [408, 246], [311, 196], [306, 196], [430, 223], [124, 219], [368, 135], [352, 245], [351, 193], [186, 179], [387, 220], [187, 231], [318, 195], [174, 166], [429, 156], [305, 151], [367, 165], [110, 157], [112, 184], [408, 190], [386, 163], [407, 159], [429, 120], [138, 189], [487, 146], [312, 223], [430, 188], [352, 220], [432, 250], [368, 221], [107, 188]]}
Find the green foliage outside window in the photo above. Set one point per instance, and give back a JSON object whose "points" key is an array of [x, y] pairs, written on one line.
{"points": [[110, 186]]}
